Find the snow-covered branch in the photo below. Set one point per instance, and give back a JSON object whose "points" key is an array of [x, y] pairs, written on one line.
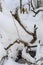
{"points": [[34, 35], [36, 12]]}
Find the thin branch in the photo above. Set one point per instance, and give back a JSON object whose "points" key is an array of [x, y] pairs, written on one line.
{"points": [[25, 43], [36, 12], [11, 44], [41, 59], [19, 21], [17, 41], [21, 24], [3, 59], [32, 5]]}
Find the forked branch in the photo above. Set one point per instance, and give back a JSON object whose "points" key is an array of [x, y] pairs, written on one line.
{"points": [[33, 34], [36, 12]]}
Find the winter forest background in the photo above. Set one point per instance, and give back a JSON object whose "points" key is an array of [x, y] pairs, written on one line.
{"points": [[21, 32]]}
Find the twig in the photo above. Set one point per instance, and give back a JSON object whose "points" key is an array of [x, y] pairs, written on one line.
{"points": [[36, 12]]}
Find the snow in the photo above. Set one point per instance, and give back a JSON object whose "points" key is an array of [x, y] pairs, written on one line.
{"points": [[10, 30], [22, 34], [27, 56], [2, 51], [11, 62], [29, 21], [13, 51], [12, 4], [38, 52], [34, 2]]}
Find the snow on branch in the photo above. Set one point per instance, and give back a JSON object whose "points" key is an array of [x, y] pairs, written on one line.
{"points": [[17, 41], [16, 16], [36, 12], [0, 7]]}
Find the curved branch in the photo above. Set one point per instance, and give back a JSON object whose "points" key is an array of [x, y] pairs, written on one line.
{"points": [[19, 21], [36, 12], [30, 33], [17, 41]]}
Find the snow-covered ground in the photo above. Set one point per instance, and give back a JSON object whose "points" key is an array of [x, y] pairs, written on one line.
{"points": [[10, 31]]}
